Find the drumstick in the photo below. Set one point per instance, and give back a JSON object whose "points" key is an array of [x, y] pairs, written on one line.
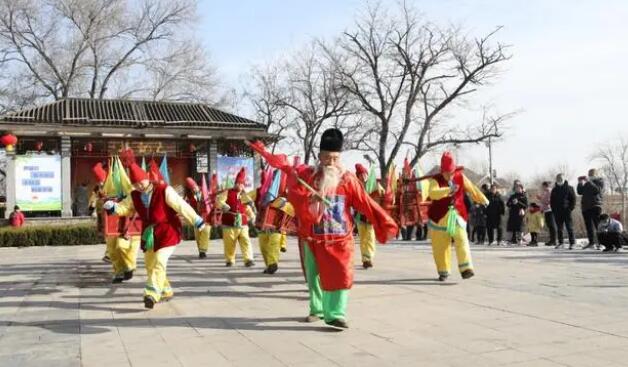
{"points": [[314, 192]]}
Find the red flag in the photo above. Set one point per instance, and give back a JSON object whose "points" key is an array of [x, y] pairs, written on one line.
{"points": [[213, 185], [407, 170], [153, 171], [205, 195]]}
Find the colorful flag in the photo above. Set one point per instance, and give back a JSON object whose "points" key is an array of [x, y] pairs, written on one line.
{"points": [[144, 164], [205, 195], [423, 185], [273, 190], [163, 169], [371, 181]]}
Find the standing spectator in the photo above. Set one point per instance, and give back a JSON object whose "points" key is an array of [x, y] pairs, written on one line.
{"points": [[16, 218], [81, 201], [563, 202], [468, 203], [544, 199], [479, 227], [591, 188], [517, 205], [535, 223], [611, 233], [494, 212]]}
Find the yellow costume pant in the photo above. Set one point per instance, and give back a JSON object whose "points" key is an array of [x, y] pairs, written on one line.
{"points": [[123, 253], [283, 243], [233, 235], [441, 247], [157, 284], [202, 238], [269, 245], [367, 241]]}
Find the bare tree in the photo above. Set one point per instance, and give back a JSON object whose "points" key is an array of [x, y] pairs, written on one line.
{"points": [[300, 97], [614, 158], [101, 48], [406, 74]]}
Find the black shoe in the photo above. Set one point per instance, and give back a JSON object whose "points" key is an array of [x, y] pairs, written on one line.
{"points": [[265, 271], [570, 246], [560, 245], [228, 264], [533, 244], [272, 268], [312, 318], [550, 244], [117, 280], [283, 249], [202, 255], [106, 259], [608, 249], [249, 263], [467, 274], [128, 275], [442, 278], [367, 264], [338, 323], [149, 302]]}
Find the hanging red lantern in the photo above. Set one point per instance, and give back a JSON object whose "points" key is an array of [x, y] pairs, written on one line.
{"points": [[9, 141], [39, 145], [88, 147]]}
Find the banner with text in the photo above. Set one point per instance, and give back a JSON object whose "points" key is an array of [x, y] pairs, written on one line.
{"points": [[38, 182]]}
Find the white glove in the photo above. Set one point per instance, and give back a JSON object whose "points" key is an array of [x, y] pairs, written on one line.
{"points": [[225, 208], [108, 205]]}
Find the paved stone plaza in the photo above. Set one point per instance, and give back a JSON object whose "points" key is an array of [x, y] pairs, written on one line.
{"points": [[525, 307]]}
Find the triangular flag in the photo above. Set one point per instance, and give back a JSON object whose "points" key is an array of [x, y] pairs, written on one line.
{"points": [[144, 164], [423, 185], [163, 169], [273, 190], [213, 184], [125, 183], [371, 181], [205, 195]]}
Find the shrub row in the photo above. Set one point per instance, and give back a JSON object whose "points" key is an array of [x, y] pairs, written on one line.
{"points": [[72, 235]]}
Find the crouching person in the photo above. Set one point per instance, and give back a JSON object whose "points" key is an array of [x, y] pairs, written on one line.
{"points": [[157, 205], [610, 233]]}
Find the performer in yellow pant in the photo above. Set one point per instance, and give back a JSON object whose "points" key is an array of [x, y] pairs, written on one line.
{"points": [[270, 245], [157, 284], [123, 255], [367, 244], [202, 240], [448, 217], [283, 242], [232, 236]]}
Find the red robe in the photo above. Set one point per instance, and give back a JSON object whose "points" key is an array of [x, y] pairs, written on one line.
{"points": [[330, 234]]}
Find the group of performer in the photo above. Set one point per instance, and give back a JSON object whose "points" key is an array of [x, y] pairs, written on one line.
{"points": [[326, 201]]}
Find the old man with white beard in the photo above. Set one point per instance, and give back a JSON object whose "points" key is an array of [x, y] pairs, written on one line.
{"points": [[323, 197]]}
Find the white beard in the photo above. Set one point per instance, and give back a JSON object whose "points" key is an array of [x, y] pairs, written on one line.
{"points": [[329, 179]]}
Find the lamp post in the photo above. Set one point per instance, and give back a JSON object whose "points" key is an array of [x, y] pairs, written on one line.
{"points": [[490, 160]]}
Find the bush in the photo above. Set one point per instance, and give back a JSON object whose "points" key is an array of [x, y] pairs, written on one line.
{"points": [[72, 235]]}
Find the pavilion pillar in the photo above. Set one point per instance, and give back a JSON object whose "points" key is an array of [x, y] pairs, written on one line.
{"points": [[213, 155], [66, 177], [10, 183]]}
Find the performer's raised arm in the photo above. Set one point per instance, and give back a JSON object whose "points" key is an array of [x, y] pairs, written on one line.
{"points": [[474, 192], [179, 205]]}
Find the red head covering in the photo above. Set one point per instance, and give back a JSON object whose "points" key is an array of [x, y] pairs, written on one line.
{"points": [[137, 174], [99, 172], [447, 163], [191, 184], [241, 177], [360, 169]]}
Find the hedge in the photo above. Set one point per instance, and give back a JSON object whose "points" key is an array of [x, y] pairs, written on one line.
{"points": [[73, 235]]}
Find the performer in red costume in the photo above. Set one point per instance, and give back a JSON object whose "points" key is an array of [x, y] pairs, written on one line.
{"points": [[323, 197]]}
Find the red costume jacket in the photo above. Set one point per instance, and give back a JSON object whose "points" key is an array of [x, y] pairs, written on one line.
{"points": [[166, 222], [438, 208], [236, 205]]}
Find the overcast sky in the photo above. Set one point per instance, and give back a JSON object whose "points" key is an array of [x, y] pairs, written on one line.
{"points": [[568, 75]]}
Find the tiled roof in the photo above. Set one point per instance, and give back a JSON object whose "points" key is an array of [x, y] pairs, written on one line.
{"points": [[129, 113]]}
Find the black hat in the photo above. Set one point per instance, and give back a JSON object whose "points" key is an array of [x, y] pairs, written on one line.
{"points": [[331, 140]]}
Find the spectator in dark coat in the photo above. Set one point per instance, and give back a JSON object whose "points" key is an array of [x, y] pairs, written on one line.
{"points": [[494, 212], [479, 223], [591, 188], [517, 206], [610, 233], [563, 202]]}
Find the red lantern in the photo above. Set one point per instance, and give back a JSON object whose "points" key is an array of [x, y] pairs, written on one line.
{"points": [[39, 145], [9, 141], [88, 147]]}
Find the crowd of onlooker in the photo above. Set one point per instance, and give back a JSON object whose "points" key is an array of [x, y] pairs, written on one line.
{"points": [[550, 210]]}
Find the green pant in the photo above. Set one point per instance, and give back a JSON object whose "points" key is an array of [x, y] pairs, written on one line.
{"points": [[330, 305]]}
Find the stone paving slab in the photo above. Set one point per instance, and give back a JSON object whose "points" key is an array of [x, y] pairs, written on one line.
{"points": [[525, 307]]}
